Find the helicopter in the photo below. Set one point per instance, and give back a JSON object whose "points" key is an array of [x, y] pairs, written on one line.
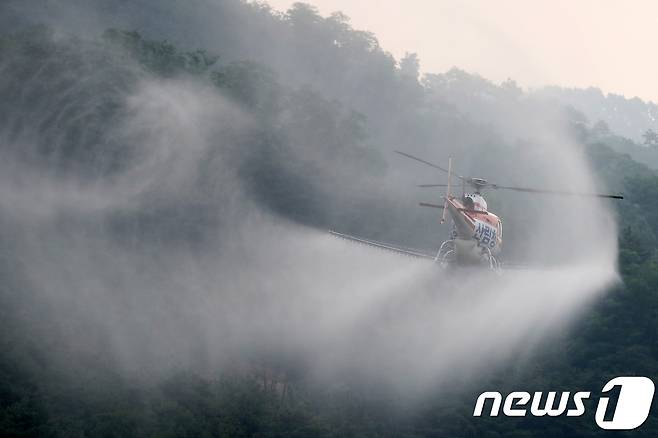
{"points": [[476, 238]]}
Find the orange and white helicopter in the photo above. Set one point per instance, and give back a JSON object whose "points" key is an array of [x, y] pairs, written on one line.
{"points": [[477, 234]]}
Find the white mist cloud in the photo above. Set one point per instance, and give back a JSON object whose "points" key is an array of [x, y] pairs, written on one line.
{"points": [[260, 288]]}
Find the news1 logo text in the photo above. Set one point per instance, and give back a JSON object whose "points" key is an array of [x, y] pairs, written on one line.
{"points": [[633, 403]]}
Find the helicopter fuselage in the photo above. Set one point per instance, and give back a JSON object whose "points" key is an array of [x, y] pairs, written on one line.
{"points": [[477, 232]]}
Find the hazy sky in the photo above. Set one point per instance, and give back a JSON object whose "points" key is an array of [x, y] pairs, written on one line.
{"points": [[609, 44]]}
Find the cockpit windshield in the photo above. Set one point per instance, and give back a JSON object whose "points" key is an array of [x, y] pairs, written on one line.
{"points": [[475, 201]]}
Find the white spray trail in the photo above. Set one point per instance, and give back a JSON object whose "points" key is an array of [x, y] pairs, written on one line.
{"points": [[259, 286]]}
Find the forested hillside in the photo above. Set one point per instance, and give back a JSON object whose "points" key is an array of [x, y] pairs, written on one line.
{"points": [[629, 117], [299, 115]]}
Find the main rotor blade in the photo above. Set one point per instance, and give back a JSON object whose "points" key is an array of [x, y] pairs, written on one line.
{"points": [[404, 154], [556, 192], [467, 210], [472, 181], [427, 204]]}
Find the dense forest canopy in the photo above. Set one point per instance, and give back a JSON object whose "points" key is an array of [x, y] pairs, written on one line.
{"points": [[142, 140]]}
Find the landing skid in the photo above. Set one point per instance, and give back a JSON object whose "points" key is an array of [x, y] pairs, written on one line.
{"points": [[447, 256]]}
